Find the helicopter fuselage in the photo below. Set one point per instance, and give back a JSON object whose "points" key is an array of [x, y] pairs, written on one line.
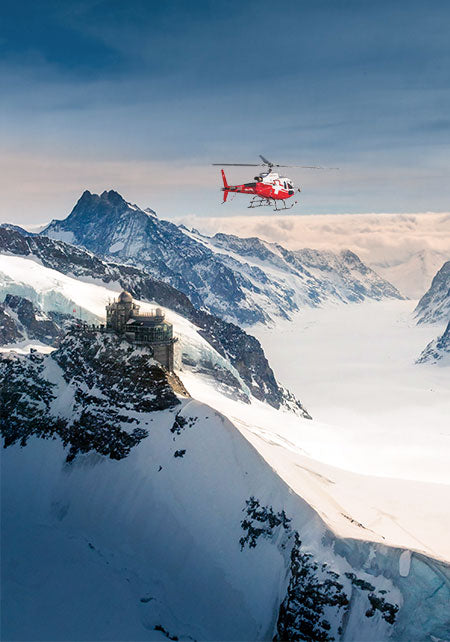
{"points": [[268, 185], [268, 188]]}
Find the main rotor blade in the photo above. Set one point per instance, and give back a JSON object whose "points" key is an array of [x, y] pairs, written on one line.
{"points": [[307, 166], [264, 160], [238, 164]]}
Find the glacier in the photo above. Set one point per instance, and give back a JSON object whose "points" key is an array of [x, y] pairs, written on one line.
{"points": [[159, 529]]}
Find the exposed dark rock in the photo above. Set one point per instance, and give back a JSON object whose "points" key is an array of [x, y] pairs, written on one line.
{"points": [[264, 516], [9, 328], [437, 350], [434, 306], [315, 593], [34, 323], [108, 385], [312, 593]]}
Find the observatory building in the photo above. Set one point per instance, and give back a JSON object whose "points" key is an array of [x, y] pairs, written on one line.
{"points": [[148, 329]]}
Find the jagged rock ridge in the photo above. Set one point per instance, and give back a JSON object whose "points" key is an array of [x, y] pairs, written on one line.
{"points": [[108, 385]]}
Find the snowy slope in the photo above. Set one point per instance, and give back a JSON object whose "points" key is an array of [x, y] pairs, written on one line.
{"points": [[242, 350], [434, 306], [189, 535], [304, 277], [438, 350], [322, 442], [219, 275], [53, 291]]}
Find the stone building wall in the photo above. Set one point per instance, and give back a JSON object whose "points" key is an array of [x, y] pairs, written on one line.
{"points": [[151, 330]]}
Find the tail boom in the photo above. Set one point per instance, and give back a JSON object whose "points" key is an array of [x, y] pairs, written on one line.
{"points": [[226, 187]]}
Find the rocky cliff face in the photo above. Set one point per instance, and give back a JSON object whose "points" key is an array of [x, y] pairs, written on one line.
{"points": [[244, 281], [242, 350], [90, 393], [20, 320], [434, 306], [438, 350], [149, 512]]}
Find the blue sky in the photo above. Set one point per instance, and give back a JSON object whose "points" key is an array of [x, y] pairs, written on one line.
{"points": [[141, 96]]}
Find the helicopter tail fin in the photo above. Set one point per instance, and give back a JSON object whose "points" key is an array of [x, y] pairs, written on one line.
{"points": [[225, 186]]}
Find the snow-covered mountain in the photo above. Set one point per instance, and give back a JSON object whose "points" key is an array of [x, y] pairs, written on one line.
{"points": [[434, 306], [149, 513], [411, 273], [60, 278], [241, 280], [438, 350]]}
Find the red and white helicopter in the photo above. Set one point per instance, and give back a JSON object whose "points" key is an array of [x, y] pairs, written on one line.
{"points": [[268, 188]]}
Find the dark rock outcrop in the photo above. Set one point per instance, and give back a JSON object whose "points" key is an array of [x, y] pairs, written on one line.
{"points": [[434, 306], [30, 322], [438, 350], [9, 329], [108, 388]]}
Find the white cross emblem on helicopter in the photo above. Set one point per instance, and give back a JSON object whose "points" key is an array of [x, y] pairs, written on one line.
{"points": [[277, 187]]}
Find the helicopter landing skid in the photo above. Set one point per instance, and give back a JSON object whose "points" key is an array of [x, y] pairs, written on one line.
{"points": [[258, 201]]}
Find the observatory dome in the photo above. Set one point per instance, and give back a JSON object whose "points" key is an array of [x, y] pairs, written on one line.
{"points": [[125, 297]]}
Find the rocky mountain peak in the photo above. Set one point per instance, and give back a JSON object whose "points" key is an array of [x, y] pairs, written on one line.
{"points": [[245, 281], [112, 197], [107, 202]]}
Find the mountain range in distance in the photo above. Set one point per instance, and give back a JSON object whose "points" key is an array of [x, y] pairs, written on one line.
{"points": [[245, 281]]}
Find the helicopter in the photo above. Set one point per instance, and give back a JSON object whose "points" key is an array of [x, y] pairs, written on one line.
{"points": [[268, 188]]}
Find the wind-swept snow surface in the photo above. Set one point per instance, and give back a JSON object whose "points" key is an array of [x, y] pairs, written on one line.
{"points": [[380, 415]]}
